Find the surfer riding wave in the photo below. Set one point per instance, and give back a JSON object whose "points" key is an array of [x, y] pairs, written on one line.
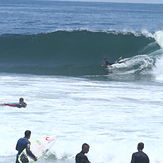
{"points": [[107, 63]]}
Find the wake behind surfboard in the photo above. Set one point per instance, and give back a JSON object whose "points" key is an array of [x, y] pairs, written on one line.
{"points": [[39, 148]]}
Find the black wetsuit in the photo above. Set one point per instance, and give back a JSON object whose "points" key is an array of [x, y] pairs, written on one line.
{"points": [[107, 63], [21, 145], [81, 158], [139, 157], [21, 105]]}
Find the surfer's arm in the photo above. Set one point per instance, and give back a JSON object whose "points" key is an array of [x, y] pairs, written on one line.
{"points": [[29, 152], [133, 159], [87, 161], [16, 146]]}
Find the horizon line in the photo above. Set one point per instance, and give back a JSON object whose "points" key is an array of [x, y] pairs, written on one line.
{"points": [[110, 1]]}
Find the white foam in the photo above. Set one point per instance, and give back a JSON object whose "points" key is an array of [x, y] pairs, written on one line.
{"points": [[159, 63], [78, 110], [159, 37]]}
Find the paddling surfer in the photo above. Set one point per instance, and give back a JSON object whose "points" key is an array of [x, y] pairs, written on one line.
{"points": [[19, 105]]}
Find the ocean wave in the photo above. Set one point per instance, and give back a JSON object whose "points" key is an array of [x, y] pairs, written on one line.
{"points": [[74, 53]]}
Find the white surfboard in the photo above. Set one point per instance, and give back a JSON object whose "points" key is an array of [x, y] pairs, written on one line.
{"points": [[38, 148]]}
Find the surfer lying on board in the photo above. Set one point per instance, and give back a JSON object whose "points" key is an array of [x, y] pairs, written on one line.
{"points": [[25, 143], [19, 105]]}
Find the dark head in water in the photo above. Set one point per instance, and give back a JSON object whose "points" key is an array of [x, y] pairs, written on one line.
{"points": [[21, 100]]}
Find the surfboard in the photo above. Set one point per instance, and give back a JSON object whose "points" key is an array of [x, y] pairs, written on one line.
{"points": [[9, 103], [39, 148]]}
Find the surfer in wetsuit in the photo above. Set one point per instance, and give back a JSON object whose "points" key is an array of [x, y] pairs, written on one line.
{"points": [[19, 105], [107, 63], [119, 59], [140, 156], [81, 157], [23, 143]]}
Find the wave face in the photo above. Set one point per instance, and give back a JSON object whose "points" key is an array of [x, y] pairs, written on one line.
{"points": [[72, 53]]}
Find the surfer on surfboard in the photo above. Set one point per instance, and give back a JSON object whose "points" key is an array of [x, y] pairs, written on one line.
{"points": [[119, 60], [107, 63], [19, 105]]}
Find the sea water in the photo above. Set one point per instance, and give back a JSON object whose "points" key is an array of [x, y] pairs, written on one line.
{"points": [[51, 55], [112, 117]]}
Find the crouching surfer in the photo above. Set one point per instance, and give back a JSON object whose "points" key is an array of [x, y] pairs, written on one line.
{"points": [[24, 143], [119, 60], [19, 105], [107, 63]]}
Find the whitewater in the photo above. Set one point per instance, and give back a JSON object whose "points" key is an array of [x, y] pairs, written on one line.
{"points": [[51, 54], [110, 116]]}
